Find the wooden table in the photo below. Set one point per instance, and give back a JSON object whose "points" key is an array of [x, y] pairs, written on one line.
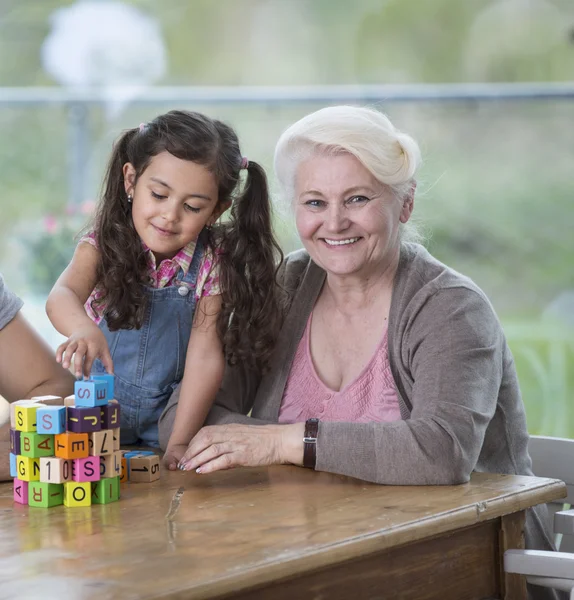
{"points": [[284, 533]]}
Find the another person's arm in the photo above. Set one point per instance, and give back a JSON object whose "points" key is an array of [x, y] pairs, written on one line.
{"points": [[202, 377], [456, 364], [27, 368], [65, 308]]}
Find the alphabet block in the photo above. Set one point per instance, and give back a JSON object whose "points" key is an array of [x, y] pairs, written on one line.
{"points": [[86, 469], [83, 419], [90, 393], [101, 442], [13, 407], [45, 495], [15, 441], [77, 494], [124, 471], [28, 468], [36, 445], [116, 438], [109, 381], [51, 419], [70, 400], [55, 470], [110, 415], [105, 490], [25, 415], [20, 491], [110, 465], [144, 469], [72, 445], [13, 465]]}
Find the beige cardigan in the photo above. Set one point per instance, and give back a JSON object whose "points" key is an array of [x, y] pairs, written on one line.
{"points": [[455, 378]]}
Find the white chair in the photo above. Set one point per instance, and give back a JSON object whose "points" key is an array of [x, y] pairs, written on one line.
{"points": [[551, 457]]}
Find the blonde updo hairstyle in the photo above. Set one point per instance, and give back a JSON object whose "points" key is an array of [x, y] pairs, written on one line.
{"points": [[392, 157]]}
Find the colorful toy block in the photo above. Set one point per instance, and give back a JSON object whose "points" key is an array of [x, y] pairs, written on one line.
{"points": [[28, 468], [45, 495], [51, 419], [13, 465], [20, 491], [106, 490], [13, 408], [77, 493], [36, 445], [67, 451], [144, 468], [55, 470], [83, 419], [25, 416], [111, 465], [72, 445], [109, 381], [101, 442], [116, 439], [15, 441], [91, 393], [86, 469], [110, 416]]}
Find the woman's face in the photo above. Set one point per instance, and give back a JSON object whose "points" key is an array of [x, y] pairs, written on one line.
{"points": [[347, 220]]}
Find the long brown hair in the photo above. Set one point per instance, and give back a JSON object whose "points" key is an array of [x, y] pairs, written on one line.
{"points": [[245, 244]]}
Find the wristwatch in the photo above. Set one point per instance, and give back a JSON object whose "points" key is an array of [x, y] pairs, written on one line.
{"points": [[310, 443]]}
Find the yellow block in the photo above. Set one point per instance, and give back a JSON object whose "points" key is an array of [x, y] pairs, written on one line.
{"points": [[28, 468], [77, 494], [25, 417]]}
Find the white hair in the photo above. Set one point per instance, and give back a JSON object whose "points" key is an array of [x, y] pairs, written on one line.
{"points": [[392, 157]]}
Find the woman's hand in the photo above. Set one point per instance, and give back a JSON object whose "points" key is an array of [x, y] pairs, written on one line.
{"points": [[220, 447], [173, 455], [83, 347]]}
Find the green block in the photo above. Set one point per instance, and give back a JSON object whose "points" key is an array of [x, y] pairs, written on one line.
{"points": [[116, 488], [45, 495], [104, 490], [36, 445]]}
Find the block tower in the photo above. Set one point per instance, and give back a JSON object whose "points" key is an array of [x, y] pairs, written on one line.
{"points": [[67, 451]]}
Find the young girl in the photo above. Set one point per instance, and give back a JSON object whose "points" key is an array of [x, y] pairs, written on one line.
{"points": [[156, 292]]}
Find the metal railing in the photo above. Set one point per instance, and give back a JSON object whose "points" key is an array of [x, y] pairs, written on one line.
{"points": [[79, 102]]}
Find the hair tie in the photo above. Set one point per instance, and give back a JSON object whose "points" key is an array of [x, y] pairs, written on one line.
{"points": [[244, 163], [142, 126]]}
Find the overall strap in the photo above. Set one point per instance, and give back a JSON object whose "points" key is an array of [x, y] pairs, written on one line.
{"points": [[200, 246]]}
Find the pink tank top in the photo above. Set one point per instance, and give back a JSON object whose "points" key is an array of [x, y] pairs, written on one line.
{"points": [[371, 396]]}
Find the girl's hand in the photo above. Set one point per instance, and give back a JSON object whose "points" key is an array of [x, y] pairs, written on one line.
{"points": [[173, 454], [83, 347], [219, 447]]}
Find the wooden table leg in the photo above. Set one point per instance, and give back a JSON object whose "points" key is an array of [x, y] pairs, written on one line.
{"points": [[513, 586]]}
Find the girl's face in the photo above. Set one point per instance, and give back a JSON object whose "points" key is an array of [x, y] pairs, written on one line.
{"points": [[173, 200], [347, 220]]}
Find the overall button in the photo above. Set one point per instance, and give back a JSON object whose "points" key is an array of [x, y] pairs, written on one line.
{"points": [[183, 290]]}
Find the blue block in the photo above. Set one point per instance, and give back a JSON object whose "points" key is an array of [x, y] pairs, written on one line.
{"points": [[13, 467], [109, 381], [90, 393], [51, 419]]}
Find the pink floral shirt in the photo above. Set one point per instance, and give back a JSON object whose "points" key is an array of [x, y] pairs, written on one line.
{"points": [[165, 274]]}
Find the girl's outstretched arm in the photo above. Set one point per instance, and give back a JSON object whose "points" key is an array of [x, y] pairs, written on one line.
{"points": [[202, 377], [65, 308]]}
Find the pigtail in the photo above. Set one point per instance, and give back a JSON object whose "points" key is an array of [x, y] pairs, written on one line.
{"points": [[249, 258], [122, 268]]}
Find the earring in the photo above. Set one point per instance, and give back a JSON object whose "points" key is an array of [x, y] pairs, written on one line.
{"points": [[130, 198]]}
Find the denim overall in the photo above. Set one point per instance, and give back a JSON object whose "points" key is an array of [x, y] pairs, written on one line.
{"points": [[149, 362]]}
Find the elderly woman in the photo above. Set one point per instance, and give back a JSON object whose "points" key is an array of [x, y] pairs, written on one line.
{"points": [[390, 366]]}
